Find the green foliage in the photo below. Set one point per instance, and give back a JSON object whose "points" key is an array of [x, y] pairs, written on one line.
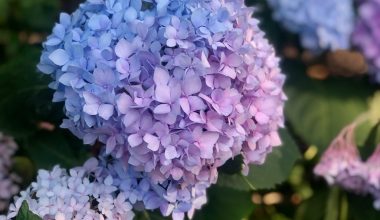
{"points": [[318, 110], [26, 214], [47, 149], [277, 166], [21, 90], [371, 142], [236, 181], [313, 208], [226, 204], [274, 171]]}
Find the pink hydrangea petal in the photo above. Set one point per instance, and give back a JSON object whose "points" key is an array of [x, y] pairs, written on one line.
{"points": [[206, 143]]}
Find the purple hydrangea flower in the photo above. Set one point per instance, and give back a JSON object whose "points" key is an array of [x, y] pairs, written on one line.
{"points": [[322, 25], [341, 163], [367, 33], [9, 181], [172, 88]]}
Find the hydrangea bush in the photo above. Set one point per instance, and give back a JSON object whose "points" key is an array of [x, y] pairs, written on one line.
{"points": [[322, 25], [180, 104], [366, 33]]}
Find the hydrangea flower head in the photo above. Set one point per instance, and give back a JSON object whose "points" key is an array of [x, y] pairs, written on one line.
{"points": [[173, 88], [367, 33], [86, 192], [104, 188], [341, 163], [322, 25], [8, 180]]}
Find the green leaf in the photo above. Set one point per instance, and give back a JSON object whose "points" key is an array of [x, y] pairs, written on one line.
{"points": [[277, 166], [47, 149], [371, 142], [226, 204], [23, 102], [318, 110], [25, 214], [232, 166], [236, 181]]}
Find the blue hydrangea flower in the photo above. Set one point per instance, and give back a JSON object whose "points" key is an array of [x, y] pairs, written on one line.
{"points": [[321, 24], [71, 194], [172, 88], [86, 192]]}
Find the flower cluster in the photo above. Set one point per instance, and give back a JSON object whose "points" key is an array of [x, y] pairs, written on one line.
{"points": [[173, 88], [342, 165], [102, 189], [322, 25], [367, 33], [85, 192], [8, 180]]}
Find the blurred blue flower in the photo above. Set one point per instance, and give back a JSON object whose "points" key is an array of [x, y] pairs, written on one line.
{"points": [[321, 24]]}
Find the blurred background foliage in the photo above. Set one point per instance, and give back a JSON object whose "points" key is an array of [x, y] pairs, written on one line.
{"points": [[325, 93]]}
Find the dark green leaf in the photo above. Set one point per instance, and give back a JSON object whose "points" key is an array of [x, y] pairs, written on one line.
{"points": [[236, 181], [277, 166], [232, 166], [226, 204], [25, 214], [47, 149], [371, 142], [21, 103]]}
